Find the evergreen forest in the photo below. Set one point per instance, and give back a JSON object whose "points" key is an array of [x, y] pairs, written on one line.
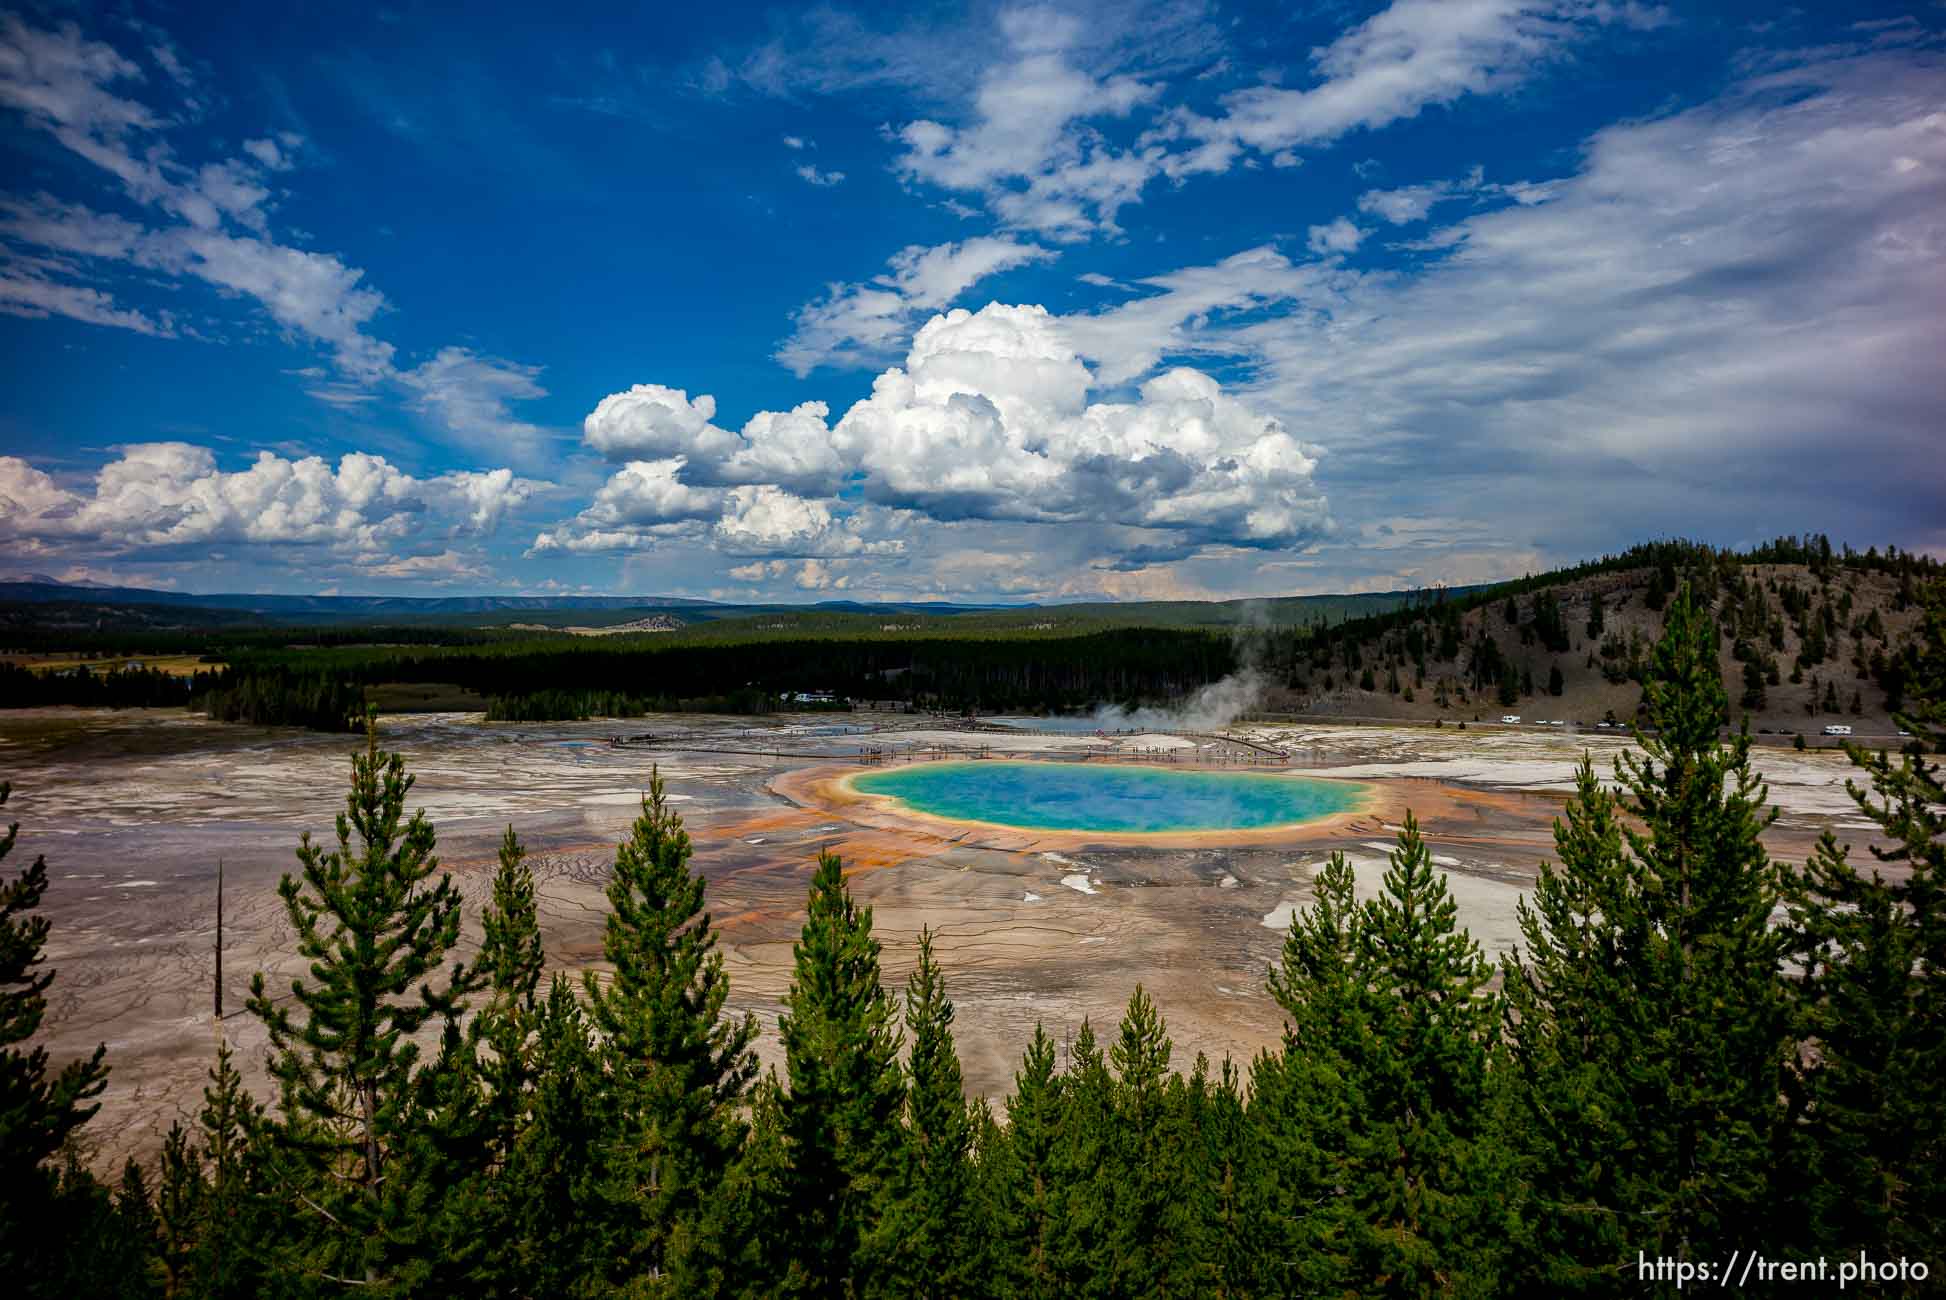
{"points": [[1695, 1053], [1794, 616]]}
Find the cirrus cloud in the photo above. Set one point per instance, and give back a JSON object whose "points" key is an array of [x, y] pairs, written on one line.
{"points": [[1681, 329], [856, 323], [211, 224]]}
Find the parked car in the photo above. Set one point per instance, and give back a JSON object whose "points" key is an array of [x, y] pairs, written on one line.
{"points": [[1837, 729], [1510, 717]]}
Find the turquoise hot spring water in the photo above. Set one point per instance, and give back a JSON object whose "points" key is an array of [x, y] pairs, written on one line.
{"points": [[1109, 798]]}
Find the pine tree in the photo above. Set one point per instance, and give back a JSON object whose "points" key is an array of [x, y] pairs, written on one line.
{"points": [[678, 1063], [1423, 1181], [135, 1207], [37, 1113], [1149, 1238], [1869, 952], [181, 1214], [510, 951], [512, 961], [445, 1164], [236, 1218], [1377, 1119], [1658, 593], [1569, 1000], [1645, 1014], [556, 1238], [933, 1225], [1555, 682], [1549, 624], [1304, 1098], [484, 1090], [376, 929], [992, 1176], [841, 1114], [1228, 1167], [1753, 686], [96, 1242], [752, 1203], [1029, 1205], [1081, 1258], [1596, 619]]}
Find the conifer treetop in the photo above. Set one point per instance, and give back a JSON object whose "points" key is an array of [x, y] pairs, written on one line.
{"points": [[835, 979], [679, 1065], [664, 1000], [936, 1103], [377, 930], [510, 951], [375, 934]]}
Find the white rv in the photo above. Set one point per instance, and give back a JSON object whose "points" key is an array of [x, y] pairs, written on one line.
{"points": [[1836, 730]]}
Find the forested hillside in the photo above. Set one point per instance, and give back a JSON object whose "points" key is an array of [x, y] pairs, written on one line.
{"points": [[1696, 1053], [1808, 636]]}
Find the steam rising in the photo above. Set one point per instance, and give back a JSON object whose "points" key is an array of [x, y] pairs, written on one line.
{"points": [[1214, 706]]}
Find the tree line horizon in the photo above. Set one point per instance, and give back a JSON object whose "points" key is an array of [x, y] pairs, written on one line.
{"points": [[1693, 1050], [323, 679]]}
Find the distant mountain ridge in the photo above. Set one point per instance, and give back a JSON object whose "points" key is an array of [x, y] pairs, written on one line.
{"points": [[38, 589], [41, 589], [41, 579]]}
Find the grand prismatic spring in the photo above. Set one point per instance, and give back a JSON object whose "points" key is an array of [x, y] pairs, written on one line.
{"points": [[1110, 798]]}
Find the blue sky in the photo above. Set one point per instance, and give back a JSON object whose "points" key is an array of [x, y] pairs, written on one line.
{"points": [[1016, 302]]}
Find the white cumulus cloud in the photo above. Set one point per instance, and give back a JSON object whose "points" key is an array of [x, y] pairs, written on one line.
{"points": [[650, 421], [1339, 236], [171, 494], [1029, 148], [988, 420]]}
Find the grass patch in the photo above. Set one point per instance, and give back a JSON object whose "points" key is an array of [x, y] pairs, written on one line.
{"points": [[424, 697], [55, 661]]}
